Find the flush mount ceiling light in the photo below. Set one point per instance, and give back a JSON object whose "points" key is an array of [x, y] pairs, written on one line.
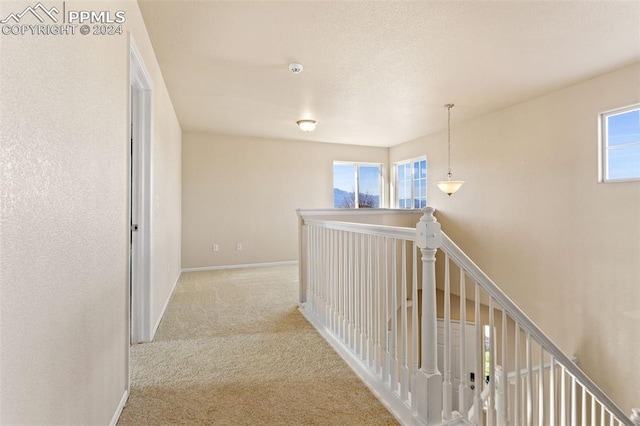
{"points": [[449, 186], [307, 125]]}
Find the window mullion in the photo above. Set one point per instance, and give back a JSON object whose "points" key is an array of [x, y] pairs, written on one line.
{"points": [[411, 183], [356, 196]]}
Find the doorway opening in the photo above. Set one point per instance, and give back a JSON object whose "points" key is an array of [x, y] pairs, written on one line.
{"points": [[140, 199]]}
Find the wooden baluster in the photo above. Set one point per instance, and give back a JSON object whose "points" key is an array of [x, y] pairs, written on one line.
{"points": [[357, 258], [563, 398], [593, 411], [414, 328], [336, 283], [529, 382], [517, 409], [394, 316], [313, 271], [342, 262], [479, 373], [463, 404], [320, 304], [574, 403], [350, 284], [541, 420], [332, 280], [323, 274], [446, 386], [316, 281], [552, 392], [583, 406], [363, 300], [311, 267], [378, 310], [317, 271], [329, 279], [325, 277], [491, 409], [404, 371], [503, 414], [314, 268], [369, 304], [338, 286], [386, 312], [343, 286]]}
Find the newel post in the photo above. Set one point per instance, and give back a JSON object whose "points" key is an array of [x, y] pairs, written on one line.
{"points": [[429, 379], [635, 416]]}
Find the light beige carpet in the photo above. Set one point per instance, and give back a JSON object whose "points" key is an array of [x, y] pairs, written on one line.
{"points": [[233, 349]]}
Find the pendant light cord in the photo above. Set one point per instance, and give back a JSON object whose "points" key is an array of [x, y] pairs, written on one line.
{"points": [[449, 106]]}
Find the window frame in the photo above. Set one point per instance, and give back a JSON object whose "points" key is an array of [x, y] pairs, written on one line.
{"points": [[356, 178], [396, 192], [604, 148]]}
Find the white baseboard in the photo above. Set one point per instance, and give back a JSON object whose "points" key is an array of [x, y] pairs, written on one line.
{"points": [[119, 409], [248, 265], [164, 308]]}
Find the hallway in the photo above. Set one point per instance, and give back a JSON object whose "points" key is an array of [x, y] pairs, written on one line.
{"points": [[233, 349]]}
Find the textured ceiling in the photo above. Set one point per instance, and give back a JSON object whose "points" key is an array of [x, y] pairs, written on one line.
{"points": [[376, 73]]}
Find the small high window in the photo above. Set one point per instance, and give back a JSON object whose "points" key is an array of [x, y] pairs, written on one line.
{"points": [[357, 185], [620, 145], [411, 183]]}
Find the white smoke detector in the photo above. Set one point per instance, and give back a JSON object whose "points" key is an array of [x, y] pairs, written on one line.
{"points": [[295, 68]]}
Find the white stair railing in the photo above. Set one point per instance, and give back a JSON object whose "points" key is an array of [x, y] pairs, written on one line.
{"points": [[429, 348], [551, 390]]}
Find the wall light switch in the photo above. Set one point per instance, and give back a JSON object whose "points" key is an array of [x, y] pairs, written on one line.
{"points": [[214, 247]]}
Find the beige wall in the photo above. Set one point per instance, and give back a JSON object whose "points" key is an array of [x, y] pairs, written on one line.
{"points": [[166, 187], [240, 189], [532, 215], [64, 239]]}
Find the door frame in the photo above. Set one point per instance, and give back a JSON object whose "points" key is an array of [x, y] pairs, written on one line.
{"points": [[140, 127]]}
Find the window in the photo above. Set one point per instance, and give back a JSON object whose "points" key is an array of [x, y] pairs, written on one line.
{"points": [[411, 183], [620, 144], [356, 185]]}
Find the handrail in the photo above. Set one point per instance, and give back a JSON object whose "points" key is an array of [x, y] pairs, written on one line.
{"points": [[408, 234], [523, 320], [354, 212]]}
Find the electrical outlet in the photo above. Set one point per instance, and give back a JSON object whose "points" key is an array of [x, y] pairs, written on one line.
{"points": [[239, 246], [214, 247]]}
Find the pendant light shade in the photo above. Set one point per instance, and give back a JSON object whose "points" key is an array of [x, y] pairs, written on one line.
{"points": [[449, 186]]}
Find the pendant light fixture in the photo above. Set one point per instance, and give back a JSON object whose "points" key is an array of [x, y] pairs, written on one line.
{"points": [[449, 186], [307, 125]]}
